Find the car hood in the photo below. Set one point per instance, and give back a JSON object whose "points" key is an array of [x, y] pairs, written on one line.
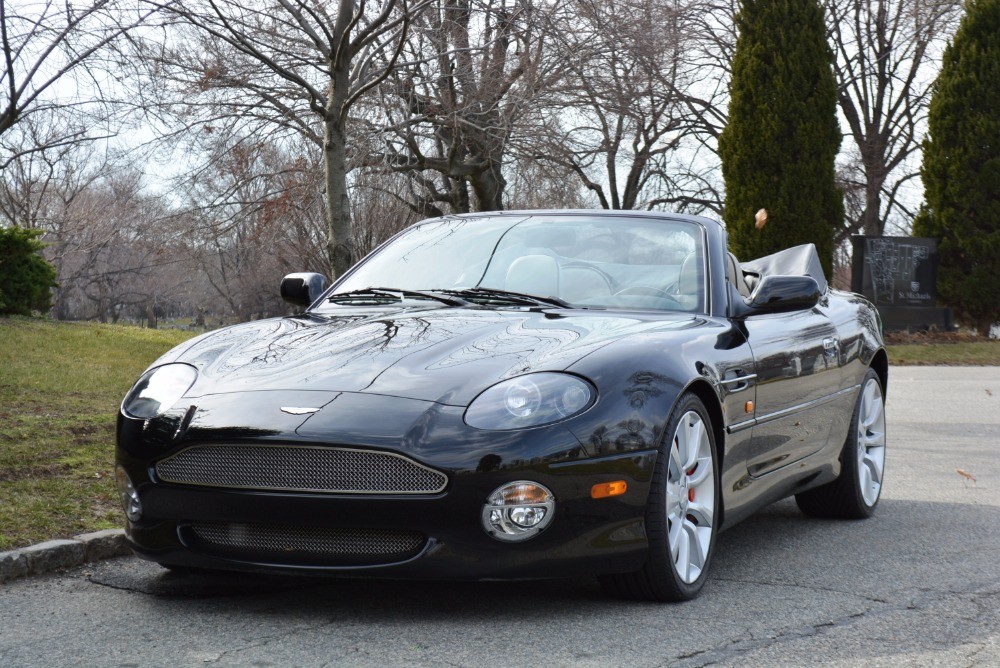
{"points": [[445, 355]]}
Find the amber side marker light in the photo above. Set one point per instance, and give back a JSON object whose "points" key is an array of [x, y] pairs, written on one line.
{"points": [[605, 489]]}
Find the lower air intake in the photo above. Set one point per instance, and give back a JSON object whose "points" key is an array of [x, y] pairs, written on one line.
{"points": [[316, 546]]}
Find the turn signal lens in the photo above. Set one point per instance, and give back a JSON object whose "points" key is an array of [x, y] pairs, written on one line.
{"points": [[606, 489], [523, 493]]}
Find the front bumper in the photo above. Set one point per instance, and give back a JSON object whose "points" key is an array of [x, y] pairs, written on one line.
{"points": [[586, 536]]}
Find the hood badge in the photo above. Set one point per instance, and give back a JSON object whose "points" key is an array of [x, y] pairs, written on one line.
{"points": [[298, 410]]}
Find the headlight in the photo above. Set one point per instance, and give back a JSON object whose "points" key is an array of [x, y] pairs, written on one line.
{"points": [[529, 401], [158, 390]]}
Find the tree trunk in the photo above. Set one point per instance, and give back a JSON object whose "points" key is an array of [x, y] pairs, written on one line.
{"points": [[488, 186], [984, 325], [871, 223], [340, 243]]}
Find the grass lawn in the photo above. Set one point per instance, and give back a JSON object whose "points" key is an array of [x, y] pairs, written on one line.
{"points": [[985, 353], [60, 386], [942, 348]]}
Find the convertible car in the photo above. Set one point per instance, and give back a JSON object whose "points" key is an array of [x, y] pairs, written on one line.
{"points": [[512, 395]]}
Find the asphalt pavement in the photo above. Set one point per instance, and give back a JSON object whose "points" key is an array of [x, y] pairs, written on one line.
{"points": [[917, 585]]}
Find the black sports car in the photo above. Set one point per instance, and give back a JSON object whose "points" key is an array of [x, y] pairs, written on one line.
{"points": [[513, 395]]}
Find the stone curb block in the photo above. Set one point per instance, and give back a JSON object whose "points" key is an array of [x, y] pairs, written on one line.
{"points": [[104, 544], [12, 565], [55, 554]]}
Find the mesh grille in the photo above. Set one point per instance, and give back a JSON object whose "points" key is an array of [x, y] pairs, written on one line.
{"points": [[290, 544], [300, 469]]}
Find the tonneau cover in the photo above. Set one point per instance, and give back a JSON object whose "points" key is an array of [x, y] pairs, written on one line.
{"points": [[795, 261]]}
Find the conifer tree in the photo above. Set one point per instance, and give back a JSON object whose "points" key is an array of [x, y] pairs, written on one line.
{"points": [[779, 147], [961, 169], [26, 278]]}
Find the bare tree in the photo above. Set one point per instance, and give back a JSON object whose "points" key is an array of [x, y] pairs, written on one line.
{"points": [[382, 207], [469, 71], [288, 56], [44, 45], [624, 122], [886, 56], [540, 184], [254, 213], [112, 244]]}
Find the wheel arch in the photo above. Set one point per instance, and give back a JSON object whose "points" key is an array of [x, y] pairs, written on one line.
{"points": [[880, 363]]}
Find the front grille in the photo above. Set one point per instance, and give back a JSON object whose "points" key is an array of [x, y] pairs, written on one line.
{"points": [[300, 469], [306, 545]]}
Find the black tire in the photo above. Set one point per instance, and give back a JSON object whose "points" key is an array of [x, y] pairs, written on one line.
{"points": [[844, 498], [659, 579]]}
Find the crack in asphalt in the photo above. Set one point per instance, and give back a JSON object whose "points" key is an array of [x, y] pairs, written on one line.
{"points": [[795, 585], [131, 590], [167, 586], [734, 649], [264, 642]]}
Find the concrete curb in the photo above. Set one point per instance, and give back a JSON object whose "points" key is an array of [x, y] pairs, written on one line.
{"points": [[55, 554]]}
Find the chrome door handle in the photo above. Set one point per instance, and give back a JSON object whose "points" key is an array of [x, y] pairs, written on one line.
{"points": [[739, 382]]}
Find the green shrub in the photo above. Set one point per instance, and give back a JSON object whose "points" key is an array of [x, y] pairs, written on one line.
{"points": [[961, 169], [779, 147], [26, 278]]}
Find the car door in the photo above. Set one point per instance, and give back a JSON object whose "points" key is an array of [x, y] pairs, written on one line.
{"points": [[798, 376]]}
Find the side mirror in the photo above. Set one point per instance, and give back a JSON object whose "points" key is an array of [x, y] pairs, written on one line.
{"points": [[784, 293], [303, 288]]}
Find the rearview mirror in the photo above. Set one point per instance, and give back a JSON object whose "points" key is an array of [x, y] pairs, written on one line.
{"points": [[302, 289], [784, 293]]}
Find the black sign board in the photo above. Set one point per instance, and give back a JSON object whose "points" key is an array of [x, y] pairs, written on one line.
{"points": [[895, 270]]}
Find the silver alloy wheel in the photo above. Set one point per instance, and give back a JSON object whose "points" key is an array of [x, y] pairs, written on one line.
{"points": [[690, 497], [871, 441]]}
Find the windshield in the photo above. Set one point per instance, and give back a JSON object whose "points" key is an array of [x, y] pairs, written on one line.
{"points": [[587, 262]]}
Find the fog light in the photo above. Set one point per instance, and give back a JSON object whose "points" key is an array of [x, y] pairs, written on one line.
{"points": [[518, 510], [129, 497]]}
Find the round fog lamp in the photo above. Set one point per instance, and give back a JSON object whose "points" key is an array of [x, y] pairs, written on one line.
{"points": [[518, 511], [129, 497]]}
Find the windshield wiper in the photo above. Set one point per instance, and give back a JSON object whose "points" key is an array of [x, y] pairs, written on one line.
{"points": [[508, 297], [384, 295]]}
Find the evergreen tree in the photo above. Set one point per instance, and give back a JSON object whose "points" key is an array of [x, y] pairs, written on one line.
{"points": [[26, 278], [961, 169], [779, 147]]}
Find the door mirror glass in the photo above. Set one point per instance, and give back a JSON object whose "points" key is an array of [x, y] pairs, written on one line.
{"points": [[784, 293], [302, 289]]}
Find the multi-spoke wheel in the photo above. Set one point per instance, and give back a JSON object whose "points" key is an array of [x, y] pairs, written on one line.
{"points": [[682, 514], [690, 497], [856, 492]]}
